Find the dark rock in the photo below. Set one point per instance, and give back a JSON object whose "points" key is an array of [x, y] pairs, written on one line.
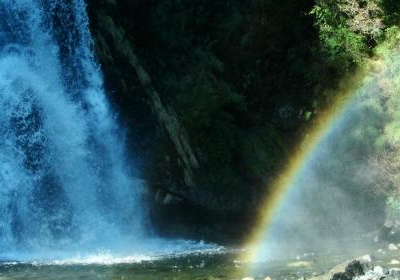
{"points": [[341, 276], [353, 269], [361, 269], [348, 269], [356, 268]]}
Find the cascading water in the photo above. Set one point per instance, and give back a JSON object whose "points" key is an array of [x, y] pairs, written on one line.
{"points": [[64, 179]]}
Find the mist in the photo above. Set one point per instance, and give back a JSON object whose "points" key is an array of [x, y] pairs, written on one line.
{"points": [[338, 199]]}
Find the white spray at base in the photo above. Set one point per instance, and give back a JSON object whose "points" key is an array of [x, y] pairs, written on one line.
{"points": [[66, 186]]}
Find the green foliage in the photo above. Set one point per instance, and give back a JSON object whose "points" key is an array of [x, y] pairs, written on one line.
{"points": [[345, 44], [387, 108], [342, 46], [389, 42]]}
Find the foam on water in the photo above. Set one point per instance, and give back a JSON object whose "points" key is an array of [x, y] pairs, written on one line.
{"points": [[154, 250]]}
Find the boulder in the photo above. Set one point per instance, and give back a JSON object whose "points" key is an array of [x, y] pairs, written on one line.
{"points": [[353, 269], [348, 269]]}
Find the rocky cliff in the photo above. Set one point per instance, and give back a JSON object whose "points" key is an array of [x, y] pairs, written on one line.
{"points": [[216, 93]]}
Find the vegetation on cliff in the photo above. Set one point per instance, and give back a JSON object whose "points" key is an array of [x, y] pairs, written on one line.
{"points": [[239, 81]]}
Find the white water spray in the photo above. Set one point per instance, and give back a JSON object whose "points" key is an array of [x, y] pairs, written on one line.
{"points": [[64, 179]]}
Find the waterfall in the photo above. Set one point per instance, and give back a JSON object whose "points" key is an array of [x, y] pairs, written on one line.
{"points": [[65, 181]]}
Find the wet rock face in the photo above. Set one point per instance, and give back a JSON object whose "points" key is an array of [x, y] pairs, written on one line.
{"points": [[168, 158]]}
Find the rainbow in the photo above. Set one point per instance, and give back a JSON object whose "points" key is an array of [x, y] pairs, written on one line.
{"points": [[326, 123]]}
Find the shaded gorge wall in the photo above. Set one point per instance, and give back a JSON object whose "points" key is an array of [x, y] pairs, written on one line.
{"points": [[217, 95]]}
